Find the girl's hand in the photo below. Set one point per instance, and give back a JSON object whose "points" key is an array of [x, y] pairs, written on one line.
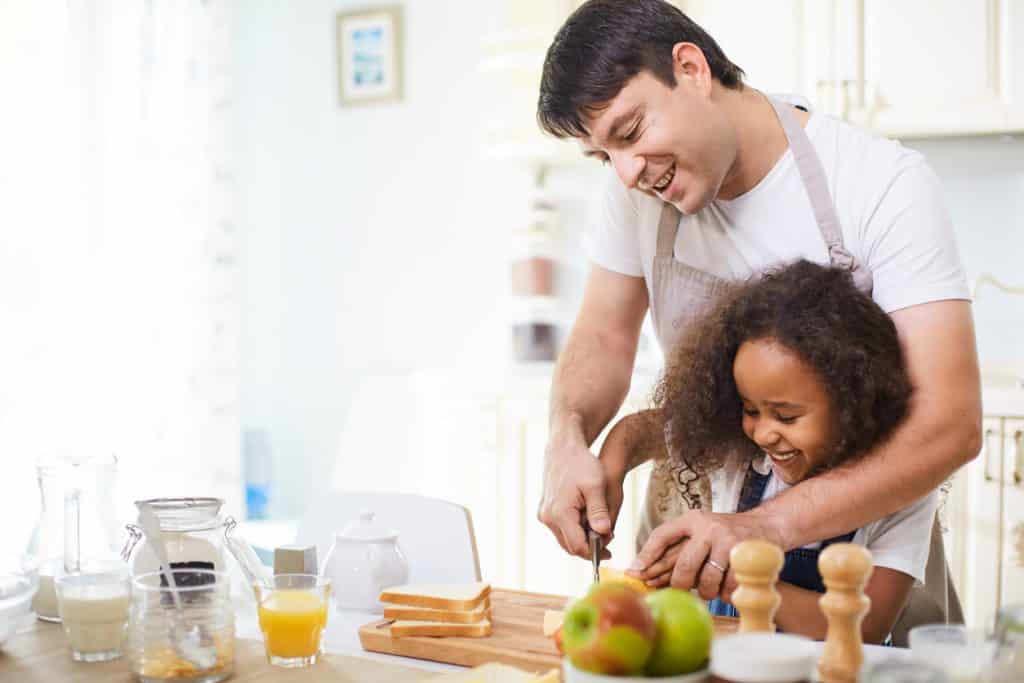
{"points": [[661, 571]]}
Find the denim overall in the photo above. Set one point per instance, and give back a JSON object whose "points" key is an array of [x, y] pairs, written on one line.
{"points": [[801, 566]]}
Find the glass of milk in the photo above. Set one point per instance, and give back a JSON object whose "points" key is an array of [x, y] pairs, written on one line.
{"points": [[94, 610]]}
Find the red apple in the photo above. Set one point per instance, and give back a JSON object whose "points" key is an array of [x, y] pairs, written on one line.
{"points": [[609, 631]]}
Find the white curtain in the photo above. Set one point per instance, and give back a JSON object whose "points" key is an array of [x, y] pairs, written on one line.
{"points": [[118, 274]]}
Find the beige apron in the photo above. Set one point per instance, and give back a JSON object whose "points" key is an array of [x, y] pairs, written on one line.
{"points": [[680, 294]]}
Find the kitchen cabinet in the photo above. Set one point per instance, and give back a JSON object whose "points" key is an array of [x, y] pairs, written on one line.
{"points": [[984, 516], [914, 68], [937, 67]]}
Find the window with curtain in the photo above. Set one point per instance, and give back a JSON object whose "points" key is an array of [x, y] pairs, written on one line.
{"points": [[118, 274]]}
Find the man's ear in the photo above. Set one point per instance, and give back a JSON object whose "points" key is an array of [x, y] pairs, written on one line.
{"points": [[690, 66]]}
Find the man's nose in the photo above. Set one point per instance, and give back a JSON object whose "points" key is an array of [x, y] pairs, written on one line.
{"points": [[629, 168]]}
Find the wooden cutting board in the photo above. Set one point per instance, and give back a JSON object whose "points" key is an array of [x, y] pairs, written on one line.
{"points": [[517, 638]]}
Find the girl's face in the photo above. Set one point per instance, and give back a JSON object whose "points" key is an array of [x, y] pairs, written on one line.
{"points": [[786, 409]]}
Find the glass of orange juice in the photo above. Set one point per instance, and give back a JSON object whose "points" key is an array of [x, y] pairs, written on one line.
{"points": [[293, 615]]}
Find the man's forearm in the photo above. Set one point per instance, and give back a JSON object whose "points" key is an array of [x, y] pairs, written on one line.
{"points": [[913, 462], [590, 382]]}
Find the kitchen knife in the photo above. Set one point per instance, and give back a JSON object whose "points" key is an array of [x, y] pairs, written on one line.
{"points": [[596, 544]]}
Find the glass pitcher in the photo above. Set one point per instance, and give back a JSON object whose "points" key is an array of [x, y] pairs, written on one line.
{"points": [[77, 526]]}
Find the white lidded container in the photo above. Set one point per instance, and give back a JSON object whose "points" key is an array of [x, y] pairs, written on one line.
{"points": [[763, 658], [364, 559]]}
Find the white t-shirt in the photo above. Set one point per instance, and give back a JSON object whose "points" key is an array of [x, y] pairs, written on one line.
{"points": [[899, 541], [888, 200]]}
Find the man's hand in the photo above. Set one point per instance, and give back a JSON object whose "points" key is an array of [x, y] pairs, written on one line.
{"points": [[574, 491], [590, 382], [677, 552]]}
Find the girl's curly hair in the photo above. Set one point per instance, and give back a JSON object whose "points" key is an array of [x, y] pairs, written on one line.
{"points": [[814, 311]]}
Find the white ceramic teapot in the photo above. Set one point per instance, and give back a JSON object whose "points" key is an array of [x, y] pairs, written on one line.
{"points": [[364, 559]]}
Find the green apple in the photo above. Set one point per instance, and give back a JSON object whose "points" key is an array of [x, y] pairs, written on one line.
{"points": [[685, 629], [609, 631]]}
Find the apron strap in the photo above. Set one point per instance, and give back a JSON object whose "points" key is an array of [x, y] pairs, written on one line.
{"points": [[813, 175], [668, 228], [816, 185]]}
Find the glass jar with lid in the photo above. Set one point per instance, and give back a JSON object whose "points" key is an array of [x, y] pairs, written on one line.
{"points": [[194, 533]]}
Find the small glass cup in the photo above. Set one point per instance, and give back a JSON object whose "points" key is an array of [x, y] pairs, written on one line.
{"points": [[94, 608], [206, 606], [293, 615], [962, 654]]}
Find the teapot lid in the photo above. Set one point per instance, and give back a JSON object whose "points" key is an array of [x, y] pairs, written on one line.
{"points": [[366, 530]]}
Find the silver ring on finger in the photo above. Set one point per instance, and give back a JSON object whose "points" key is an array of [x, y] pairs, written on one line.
{"points": [[717, 566]]}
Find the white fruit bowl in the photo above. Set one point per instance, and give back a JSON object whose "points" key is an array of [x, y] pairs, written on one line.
{"points": [[570, 674]]}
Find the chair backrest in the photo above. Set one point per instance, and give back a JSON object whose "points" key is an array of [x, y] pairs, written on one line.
{"points": [[436, 536]]}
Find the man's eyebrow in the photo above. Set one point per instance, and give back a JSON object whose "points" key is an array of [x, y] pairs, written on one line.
{"points": [[621, 119]]}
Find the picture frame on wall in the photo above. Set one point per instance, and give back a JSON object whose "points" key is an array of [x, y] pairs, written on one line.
{"points": [[370, 55]]}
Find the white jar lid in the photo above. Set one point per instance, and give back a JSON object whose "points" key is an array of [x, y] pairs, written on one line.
{"points": [[366, 530], [763, 657]]}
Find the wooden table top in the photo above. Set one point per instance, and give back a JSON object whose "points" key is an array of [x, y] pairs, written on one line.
{"points": [[41, 653]]}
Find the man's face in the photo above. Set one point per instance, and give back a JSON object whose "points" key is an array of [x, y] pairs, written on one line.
{"points": [[673, 143]]}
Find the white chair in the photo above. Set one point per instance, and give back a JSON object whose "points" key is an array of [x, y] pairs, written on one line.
{"points": [[436, 536]]}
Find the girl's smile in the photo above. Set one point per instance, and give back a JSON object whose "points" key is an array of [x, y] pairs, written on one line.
{"points": [[787, 410]]}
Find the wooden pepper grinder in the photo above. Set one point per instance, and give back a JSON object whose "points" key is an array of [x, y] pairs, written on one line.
{"points": [[845, 568], [757, 565]]}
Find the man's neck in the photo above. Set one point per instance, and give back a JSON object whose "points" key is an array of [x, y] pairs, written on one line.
{"points": [[760, 140]]}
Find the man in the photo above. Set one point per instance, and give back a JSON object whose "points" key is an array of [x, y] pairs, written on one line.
{"points": [[715, 182]]}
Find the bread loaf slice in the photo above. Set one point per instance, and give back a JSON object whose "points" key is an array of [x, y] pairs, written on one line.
{"points": [[448, 596], [451, 616], [401, 629]]}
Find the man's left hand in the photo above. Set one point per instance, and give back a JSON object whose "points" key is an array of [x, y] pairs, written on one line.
{"points": [[677, 553]]}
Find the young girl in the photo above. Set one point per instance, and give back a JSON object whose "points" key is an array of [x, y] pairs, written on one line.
{"points": [[789, 375]]}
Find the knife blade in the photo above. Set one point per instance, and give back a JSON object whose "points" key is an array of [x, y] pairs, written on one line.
{"points": [[596, 548]]}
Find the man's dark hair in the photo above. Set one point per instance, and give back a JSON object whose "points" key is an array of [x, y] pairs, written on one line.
{"points": [[603, 44]]}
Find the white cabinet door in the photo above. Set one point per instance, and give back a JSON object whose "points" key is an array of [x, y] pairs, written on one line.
{"points": [[1012, 569], [977, 566], [936, 67], [765, 39], [1013, 59]]}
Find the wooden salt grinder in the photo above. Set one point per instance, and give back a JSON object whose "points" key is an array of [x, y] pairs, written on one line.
{"points": [[844, 568], [757, 565]]}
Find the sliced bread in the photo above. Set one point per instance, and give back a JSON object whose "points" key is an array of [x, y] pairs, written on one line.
{"points": [[449, 596], [451, 616], [401, 629]]}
